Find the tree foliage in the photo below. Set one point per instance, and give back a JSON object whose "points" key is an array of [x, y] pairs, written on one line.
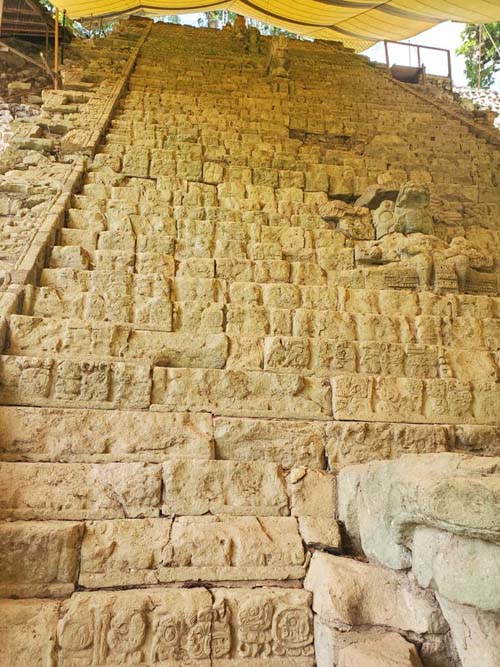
{"points": [[490, 57]]}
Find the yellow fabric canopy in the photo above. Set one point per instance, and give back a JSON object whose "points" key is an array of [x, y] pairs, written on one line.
{"points": [[358, 23]]}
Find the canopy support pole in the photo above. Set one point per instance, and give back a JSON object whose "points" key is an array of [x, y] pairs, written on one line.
{"points": [[480, 56], [56, 49]]}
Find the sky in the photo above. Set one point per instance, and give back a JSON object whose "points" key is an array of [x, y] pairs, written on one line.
{"points": [[445, 35]]}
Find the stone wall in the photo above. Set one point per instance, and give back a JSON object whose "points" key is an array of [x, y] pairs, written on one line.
{"points": [[250, 364]]}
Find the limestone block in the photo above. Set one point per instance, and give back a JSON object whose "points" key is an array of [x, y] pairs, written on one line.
{"points": [[286, 353], [360, 442], [190, 170], [272, 271], [177, 349], [155, 263], [114, 260], [388, 649], [39, 559], [135, 162], [240, 393], [70, 256], [381, 502], [346, 594], [290, 443], [269, 250], [401, 399], [29, 335], [249, 293], [213, 172], [46, 381], [205, 548], [198, 289], [78, 491], [28, 629], [86, 436], [270, 625], [476, 634], [234, 269], [196, 267], [224, 487], [481, 440], [321, 533], [462, 569], [245, 353], [281, 295], [198, 317], [312, 493], [149, 626]]}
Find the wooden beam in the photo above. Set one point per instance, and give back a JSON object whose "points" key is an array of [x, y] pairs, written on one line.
{"points": [[7, 47], [1, 14]]}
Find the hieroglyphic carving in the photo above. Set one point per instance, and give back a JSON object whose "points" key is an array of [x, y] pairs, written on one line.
{"points": [[176, 627]]}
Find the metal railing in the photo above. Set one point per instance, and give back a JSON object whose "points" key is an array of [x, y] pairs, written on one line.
{"points": [[419, 48]]}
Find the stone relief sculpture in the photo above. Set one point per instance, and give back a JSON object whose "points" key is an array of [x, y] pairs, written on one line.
{"points": [[227, 283]]}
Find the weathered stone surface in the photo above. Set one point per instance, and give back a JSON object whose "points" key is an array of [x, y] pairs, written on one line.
{"points": [[147, 626], [346, 593], [45, 381], [312, 493], [74, 338], [224, 487], [54, 434], [79, 491], [361, 442], [480, 440], [28, 629], [476, 634], [238, 393], [39, 559], [388, 650], [400, 399], [289, 443], [321, 533], [381, 502], [204, 548], [462, 569], [271, 624], [202, 294], [434, 650], [173, 626]]}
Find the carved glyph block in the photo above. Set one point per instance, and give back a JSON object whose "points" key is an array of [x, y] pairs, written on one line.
{"points": [[39, 559], [205, 548], [289, 443], [224, 487], [46, 381], [78, 490], [92, 436], [239, 393], [170, 627], [28, 629]]}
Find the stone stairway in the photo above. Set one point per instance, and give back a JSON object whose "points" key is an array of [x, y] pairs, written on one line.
{"points": [[217, 330]]}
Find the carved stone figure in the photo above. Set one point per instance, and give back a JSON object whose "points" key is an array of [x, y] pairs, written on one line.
{"points": [[278, 62], [411, 211], [384, 219]]}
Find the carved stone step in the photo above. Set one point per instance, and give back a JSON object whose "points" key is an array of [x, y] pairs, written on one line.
{"points": [[186, 487], [162, 627], [306, 355]]}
